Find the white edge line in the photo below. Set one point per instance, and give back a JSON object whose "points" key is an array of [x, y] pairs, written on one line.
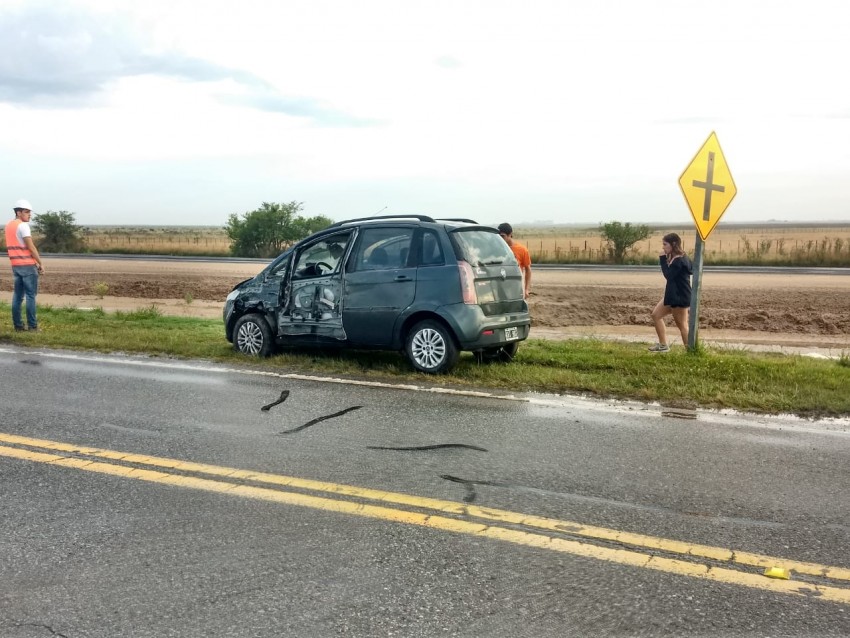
{"points": [[263, 373], [725, 416]]}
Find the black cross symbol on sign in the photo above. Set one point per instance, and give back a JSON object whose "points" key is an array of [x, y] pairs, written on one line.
{"points": [[709, 186]]}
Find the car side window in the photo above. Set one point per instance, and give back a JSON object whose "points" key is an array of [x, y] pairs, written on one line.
{"points": [[383, 248], [321, 258], [432, 252]]}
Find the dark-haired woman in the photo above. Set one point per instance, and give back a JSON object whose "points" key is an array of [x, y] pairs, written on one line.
{"points": [[677, 270]]}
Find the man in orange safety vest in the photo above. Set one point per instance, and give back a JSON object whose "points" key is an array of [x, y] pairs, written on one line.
{"points": [[26, 265]]}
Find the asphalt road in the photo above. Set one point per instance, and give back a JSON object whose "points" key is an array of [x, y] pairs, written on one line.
{"points": [[795, 270], [147, 497]]}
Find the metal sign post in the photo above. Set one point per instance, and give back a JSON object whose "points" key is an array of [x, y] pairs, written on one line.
{"points": [[693, 322], [708, 188]]}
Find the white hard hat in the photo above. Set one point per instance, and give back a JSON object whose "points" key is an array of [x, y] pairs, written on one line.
{"points": [[22, 203]]}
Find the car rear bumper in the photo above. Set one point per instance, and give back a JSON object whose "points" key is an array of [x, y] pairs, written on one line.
{"points": [[475, 330]]}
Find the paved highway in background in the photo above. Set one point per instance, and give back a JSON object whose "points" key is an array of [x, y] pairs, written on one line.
{"points": [[791, 270]]}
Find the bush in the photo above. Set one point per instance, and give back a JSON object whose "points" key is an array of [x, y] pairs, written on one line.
{"points": [[265, 232], [621, 237], [58, 233]]}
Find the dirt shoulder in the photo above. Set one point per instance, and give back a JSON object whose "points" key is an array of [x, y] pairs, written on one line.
{"points": [[764, 309]]}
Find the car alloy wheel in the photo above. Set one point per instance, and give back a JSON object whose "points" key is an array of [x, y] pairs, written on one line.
{"points": [[431, 348], [252, 336]]}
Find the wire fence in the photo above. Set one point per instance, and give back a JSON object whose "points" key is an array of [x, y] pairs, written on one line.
{"points": [[780, 246], [805, 248]]}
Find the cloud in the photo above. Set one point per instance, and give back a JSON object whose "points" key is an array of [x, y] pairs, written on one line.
{"points": [[64, 57], [448, 62], [695, 119]]}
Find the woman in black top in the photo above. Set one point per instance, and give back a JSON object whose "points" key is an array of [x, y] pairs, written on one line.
{"points": [[677, 270]]}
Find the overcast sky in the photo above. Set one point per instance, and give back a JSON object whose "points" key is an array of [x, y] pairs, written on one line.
{"points": [[183, 112]]}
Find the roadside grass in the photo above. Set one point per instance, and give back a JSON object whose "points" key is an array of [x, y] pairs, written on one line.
{"points": [[139, 331], [767, 383]]}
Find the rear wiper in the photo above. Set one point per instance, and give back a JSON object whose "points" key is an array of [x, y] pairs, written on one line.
{"points": [[494, 262]]}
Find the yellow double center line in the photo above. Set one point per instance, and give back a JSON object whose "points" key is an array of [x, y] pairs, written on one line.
{"points": [[674, 557]]}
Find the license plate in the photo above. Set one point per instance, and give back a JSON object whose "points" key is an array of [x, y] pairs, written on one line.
{"points": [[511, 334]]}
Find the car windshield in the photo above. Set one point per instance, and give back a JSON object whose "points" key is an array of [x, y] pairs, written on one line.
{"points": [[482, 247]]}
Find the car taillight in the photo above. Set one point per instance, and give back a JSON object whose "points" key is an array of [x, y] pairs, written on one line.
{"points": [[467, 283]]}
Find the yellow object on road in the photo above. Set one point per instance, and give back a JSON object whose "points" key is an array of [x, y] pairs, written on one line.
{"points": [[778, 572]]}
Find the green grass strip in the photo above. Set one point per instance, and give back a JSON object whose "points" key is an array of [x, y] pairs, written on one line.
{"points": [[755, 382]]}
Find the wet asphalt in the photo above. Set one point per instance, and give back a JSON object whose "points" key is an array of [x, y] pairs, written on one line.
{"points": [[89, 554]]}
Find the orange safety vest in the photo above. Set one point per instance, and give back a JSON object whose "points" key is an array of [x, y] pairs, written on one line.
{"points": [[18, 255]]}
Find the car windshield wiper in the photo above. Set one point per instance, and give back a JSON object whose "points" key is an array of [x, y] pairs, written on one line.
{"points": [[492, 262]]}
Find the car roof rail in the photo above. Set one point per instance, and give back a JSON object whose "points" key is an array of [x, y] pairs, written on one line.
{"points": [[458, 219], [422, 218]]}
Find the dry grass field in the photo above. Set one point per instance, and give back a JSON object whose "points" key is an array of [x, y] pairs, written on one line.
{"points": [[182, 240], [779, 243], [775, 243]]}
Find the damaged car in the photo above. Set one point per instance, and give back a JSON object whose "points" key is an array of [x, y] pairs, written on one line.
{"points": [[429, 288]]}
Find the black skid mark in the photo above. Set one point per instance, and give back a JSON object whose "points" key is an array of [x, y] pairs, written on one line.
{"points": [[438, 446], [320, 419], [283, 397], [31, 362], [469, 485], [40, 626]]}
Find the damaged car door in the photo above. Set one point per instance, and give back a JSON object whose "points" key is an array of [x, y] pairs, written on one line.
{"points": [[312, 307]]}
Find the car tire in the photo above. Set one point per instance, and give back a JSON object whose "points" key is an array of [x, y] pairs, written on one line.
{"points": [[431, 348], [252, 336], [504, 353]]}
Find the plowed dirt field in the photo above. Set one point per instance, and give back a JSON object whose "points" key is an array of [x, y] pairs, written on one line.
{"points": [[774, 308]]}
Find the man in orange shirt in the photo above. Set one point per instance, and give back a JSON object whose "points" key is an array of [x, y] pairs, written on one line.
{"points": [[521, 254]]}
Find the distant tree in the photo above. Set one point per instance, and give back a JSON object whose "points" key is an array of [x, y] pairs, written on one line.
{"points": [[621, 237], [265, 232], [57, 232], [311, 225]]}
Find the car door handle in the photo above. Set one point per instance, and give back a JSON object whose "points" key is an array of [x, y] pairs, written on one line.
{"points": [[402, 278]]}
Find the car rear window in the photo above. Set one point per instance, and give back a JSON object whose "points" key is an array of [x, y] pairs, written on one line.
{"points": [[481, 247]]}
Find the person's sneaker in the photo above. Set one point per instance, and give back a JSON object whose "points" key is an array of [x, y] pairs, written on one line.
{"points": [[34, 329], [20, 329], [660, 347]]}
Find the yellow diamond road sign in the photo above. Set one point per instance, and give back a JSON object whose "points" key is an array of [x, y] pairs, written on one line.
{"points": [[708, 186]]}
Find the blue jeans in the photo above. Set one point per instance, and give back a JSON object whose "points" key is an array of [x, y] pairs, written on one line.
{"points": [[26, 284]]}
